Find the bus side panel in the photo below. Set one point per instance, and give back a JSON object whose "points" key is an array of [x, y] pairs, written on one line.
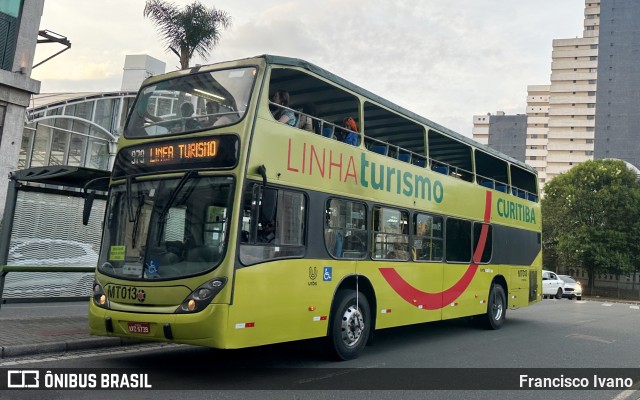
{"points": [[416, 299], [519, 287], [473, 299], [284, 300]]}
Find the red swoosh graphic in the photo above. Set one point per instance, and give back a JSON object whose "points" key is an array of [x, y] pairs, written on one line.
{"points": [[435, 301]]}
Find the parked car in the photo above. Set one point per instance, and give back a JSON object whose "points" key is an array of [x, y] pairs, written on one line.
{"points": [[572, 288], [54, 252], [552, 285]]}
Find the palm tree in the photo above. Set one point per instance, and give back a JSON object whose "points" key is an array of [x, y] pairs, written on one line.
{"points": [[194, 29]]}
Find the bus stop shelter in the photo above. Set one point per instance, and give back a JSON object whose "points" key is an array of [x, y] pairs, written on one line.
{"points": [[54, 187]]}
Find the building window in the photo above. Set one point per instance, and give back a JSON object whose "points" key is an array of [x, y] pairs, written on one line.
{"points": [[592, 93]]}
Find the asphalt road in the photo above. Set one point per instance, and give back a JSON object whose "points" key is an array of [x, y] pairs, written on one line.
{"points": [[552, 337]]}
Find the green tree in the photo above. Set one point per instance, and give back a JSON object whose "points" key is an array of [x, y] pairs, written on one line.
{"points": [[194, 29], [591, 219]]}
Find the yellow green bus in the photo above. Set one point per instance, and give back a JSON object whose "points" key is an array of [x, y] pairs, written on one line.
{"points": [[230, 226]]}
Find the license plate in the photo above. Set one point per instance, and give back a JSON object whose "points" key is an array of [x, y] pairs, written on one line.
{"points": [[138, 327]]}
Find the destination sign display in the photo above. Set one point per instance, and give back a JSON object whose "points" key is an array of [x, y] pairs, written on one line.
{"points": [[218, 152]]}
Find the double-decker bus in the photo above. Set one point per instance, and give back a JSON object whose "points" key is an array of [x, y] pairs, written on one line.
{"points": [[227, 228]]}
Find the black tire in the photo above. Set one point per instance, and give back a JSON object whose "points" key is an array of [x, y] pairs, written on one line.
{"points": [[559, 294], [578, 297], [349, 325], [496, 308]]}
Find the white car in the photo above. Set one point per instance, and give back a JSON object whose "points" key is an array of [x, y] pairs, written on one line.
{"points": [[552, 285], [54, 252], [572, 288]]}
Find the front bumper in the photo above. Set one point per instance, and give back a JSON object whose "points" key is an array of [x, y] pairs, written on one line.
{"points": [[205, 328]]}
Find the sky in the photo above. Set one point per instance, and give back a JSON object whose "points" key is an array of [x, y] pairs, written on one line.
{"points": [[446, 60]]}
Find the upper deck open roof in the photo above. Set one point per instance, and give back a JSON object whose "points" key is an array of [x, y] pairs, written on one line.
{"points": [[294, 62]]}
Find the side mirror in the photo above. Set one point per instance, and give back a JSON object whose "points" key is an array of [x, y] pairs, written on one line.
{"points": [[269, 203], [88, 204], [89, 197]]}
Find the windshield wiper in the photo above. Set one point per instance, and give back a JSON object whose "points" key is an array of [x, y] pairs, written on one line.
{"points": [[134, 233], [129, 201], [172, 197]]}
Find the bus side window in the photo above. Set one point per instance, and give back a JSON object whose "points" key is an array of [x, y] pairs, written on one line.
{"points": [[345, 232], [390, 234], [273, 224], [427, 242]]}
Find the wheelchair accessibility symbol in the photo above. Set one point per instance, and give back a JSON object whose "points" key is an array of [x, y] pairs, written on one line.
{"points": [[326, 276], [152, 266]]}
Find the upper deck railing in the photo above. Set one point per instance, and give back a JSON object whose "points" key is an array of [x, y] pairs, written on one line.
{"points": [[330, 130]]}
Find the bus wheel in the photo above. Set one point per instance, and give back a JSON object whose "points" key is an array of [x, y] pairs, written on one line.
{"points": [[350, 324], [496, 308]]}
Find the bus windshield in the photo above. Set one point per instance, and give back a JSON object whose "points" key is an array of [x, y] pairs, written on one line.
{"points": [[191, 103], [166, 228]]}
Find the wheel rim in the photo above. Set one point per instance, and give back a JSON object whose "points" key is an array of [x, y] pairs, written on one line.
{"points": [[352, 326], [497, 306]]}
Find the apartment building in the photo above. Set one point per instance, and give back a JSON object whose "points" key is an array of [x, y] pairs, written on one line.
{"points": [[572, 97], [537, 135], [505, 133], [561, 116], [618, 106]]}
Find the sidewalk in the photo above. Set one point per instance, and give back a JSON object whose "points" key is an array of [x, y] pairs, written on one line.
{"points": [[36, 328]]}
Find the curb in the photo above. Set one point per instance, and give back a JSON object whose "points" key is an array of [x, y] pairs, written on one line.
{"points": [[63, 347], [610, 300]]}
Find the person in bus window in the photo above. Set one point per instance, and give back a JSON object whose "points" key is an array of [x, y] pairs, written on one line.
{"points": [[350, 136], [284, 115], [268, 232], [213, 108], [186, 111]]}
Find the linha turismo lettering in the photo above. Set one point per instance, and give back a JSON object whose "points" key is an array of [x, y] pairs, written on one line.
{"points": [[330, 164]]}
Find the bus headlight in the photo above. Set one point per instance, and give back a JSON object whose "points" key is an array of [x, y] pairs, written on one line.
{"points": [[99, 296], [202, 296]]}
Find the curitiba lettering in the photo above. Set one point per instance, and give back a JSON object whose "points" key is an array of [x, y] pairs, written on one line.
{"points": [[518, 212], [329, 164]]}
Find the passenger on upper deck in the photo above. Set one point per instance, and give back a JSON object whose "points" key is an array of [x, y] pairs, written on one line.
{"points": [[350, 136], [186, 111], [213, 108], [281, 97]]}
